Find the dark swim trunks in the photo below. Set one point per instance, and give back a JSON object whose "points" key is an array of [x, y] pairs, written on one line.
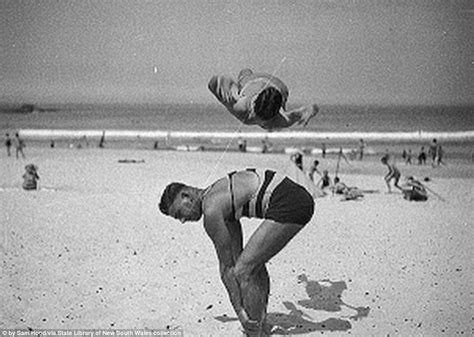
{"points": [[277, 198], [290, 203]]}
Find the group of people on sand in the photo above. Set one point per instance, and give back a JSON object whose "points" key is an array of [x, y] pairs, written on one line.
{"points": [[412, 190], [435, 153]]}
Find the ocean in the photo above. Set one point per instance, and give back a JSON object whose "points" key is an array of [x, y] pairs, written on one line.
{"points": [[215, 118]]}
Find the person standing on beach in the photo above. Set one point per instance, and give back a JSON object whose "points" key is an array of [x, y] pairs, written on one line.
{"points": [[313, 169], [8, 144], [361, 149], [259, 99], [393, 174], [19, 145], [285, 208], [323, 150], [102, 140], [433, 151], [422, 156], [439, 156]]}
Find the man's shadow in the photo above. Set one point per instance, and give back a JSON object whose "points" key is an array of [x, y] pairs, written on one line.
{"points": [[323, 295]]}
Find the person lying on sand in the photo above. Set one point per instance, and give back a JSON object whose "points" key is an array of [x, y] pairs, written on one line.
{"points": [[285, 208], [259, 98], [413, 190], [348, 193], [393, 174]]}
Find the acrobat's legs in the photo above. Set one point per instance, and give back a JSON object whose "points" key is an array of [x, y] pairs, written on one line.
{"points": [[225, 89]]}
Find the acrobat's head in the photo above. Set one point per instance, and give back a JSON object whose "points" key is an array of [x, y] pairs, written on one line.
{"points": [[181, 202], [384, 160], [268, 103]]}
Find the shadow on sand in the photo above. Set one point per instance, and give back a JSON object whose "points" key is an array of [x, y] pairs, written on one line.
{"points": [[323, 295]]}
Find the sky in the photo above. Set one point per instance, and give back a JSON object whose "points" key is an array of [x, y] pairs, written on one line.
{"points": [[165, 51]]}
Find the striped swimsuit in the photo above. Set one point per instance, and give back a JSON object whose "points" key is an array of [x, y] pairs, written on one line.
{"points": [[277, 198]]}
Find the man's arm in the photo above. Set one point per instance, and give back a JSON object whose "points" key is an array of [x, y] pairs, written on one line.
{"points": [[217, 230]]}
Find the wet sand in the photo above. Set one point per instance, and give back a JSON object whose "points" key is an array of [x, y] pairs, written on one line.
{"points": [[90, 250]]}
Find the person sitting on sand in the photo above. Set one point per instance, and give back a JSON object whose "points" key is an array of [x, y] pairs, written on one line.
{"points": [[285, 208], [259, 99], [30, 178], [393, 174], [324, 181], [413, 190], [349, 193]]}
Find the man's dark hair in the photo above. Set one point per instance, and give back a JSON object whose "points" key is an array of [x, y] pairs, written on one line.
{"points": [[168, 196], [268, 103]]}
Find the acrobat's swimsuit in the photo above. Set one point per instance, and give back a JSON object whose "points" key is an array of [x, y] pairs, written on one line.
{"points": [[277, 198]]}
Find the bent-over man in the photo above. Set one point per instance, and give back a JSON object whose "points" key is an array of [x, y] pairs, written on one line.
{"points": [[285, 208]]}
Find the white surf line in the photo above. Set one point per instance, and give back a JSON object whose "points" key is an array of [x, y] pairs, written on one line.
{"points": [[301, 135]]}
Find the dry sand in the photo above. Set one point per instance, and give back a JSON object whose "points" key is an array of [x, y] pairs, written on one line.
{"points": [[90, 250]]}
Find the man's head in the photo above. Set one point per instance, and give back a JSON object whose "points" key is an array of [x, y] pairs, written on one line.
{"points": [[181, 202], [268, 103]]}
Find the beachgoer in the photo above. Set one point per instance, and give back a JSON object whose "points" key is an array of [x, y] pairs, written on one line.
{"points": [[349, 193], [242, 143], [313, 169], [323, 150], [414, 190], [393, 174], [408, 157], [285, 208], [297, 158], [19, 145], [259, 99], [361, 149], [30, 178], [102, 140], [324, 181], [8, 144], [422, 156], [439, 156], [432, 151]]}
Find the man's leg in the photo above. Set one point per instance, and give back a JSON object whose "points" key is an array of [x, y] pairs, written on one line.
{"points": [[267, 240]]}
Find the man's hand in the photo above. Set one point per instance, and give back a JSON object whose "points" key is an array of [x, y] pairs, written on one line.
{"points": [[250, 326]]}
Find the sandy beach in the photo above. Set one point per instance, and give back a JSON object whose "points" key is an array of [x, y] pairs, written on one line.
{"points": [[90, 250]]}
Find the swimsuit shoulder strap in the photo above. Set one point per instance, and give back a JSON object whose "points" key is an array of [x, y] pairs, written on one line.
{"points": [[231, 189]]}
